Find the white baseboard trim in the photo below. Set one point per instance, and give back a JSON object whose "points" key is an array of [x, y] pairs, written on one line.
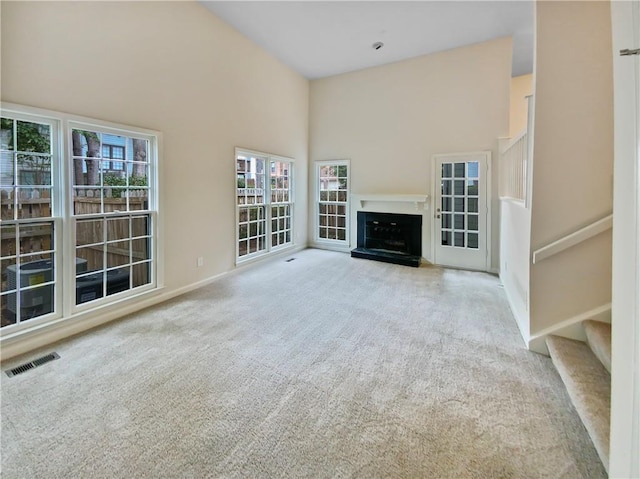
{"points": [[522, 322], [265, 258], [569, 328], [330, 247], [48, 333], [27, 340]]}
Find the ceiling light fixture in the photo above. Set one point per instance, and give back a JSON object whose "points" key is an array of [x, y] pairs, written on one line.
{"points": [[377, 45]]}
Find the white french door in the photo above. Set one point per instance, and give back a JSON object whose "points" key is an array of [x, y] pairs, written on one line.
{"points": [[461, 210]]}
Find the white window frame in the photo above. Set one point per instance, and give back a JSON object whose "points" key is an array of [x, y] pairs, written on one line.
{"points": [[57, 193], [64, 220], [269, 248], [111, 129], [325, 242]]}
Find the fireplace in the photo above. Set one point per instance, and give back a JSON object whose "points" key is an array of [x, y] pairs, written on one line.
{"points": [[389, 237]]}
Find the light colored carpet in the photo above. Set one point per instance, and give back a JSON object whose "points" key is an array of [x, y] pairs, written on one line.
{"points": [[589, 386], [322, 367], [599, 340]]}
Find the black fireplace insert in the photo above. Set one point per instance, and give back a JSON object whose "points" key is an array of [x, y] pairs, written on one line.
{"points": [[389, 237]]}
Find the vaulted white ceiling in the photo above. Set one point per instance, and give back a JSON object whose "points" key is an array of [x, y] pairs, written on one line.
{"points": [[324, 38]]}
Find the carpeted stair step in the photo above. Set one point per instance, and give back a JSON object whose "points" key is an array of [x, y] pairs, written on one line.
{"points": [[589, 386], [599, 340]]}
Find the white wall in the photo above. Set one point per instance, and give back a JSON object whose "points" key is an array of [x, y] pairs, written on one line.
{"points": [[173, 67], [625, 378], [573, 158], [515, 247], [521, 87], [390, 120]]}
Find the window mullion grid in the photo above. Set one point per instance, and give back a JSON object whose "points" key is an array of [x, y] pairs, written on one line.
{"points": [[15, 170], [330, 209], [126, 164], [112, 248], [267, 211]]}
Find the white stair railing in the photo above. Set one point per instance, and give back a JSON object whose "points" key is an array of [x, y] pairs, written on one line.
{"points": [[514, 167]]}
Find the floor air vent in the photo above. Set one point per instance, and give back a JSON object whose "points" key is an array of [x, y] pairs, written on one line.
{"points": [[23, 368]]}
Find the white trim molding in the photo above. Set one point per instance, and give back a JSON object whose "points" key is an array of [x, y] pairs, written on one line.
{"points": [[624, 460], [569, 328], [416, 200]]}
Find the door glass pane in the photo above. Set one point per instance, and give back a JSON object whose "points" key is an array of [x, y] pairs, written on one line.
{"points": [[472, 187], [472, 169], [458, 170], [458, 239], [472, 240], [446, 238], [446, 203], [446, 170]]}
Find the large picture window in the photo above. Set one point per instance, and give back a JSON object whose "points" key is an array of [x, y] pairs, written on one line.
{"points": [[264, 203], [332, 214], [100, 205]]}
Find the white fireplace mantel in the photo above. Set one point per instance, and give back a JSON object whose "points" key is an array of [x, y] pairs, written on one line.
{"points": [[417, 200]]}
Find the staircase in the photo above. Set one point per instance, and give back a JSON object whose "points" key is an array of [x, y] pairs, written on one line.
{"points": [[585, 369]]}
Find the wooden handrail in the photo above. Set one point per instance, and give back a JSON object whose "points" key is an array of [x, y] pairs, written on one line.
{"points": [[573, 239]]}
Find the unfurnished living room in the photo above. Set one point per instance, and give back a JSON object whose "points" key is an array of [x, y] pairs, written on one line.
{"points": [[320, 239]]}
